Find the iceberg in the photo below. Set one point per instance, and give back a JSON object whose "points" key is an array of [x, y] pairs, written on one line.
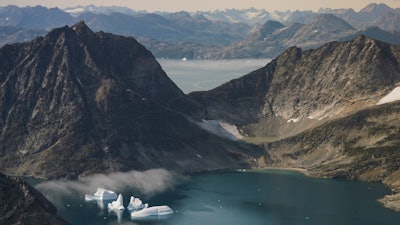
{"points": [[162, 210], [101, 194], [117, 204], [136, 204]]}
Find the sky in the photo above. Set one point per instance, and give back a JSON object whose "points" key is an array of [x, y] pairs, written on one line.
{"points": [[207, 5]]}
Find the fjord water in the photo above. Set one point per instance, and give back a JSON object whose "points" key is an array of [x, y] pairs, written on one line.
{"points": [[201, 75], [270, 197]]}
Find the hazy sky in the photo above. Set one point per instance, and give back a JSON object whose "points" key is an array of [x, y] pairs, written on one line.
{"points": [[202, 5]]}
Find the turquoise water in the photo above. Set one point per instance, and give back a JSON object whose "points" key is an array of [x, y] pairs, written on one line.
{"points": [[272, 198]]}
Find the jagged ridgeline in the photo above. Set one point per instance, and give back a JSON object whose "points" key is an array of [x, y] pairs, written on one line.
{"points": [[77, 102]]}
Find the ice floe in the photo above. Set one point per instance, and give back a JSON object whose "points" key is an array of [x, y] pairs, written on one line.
{"points": [[102, 194], [117, 204], [136, 204], [162, 210]]}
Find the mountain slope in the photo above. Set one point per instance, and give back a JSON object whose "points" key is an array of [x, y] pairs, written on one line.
{"points": [[76, 102], [22, 204], [363, 146], [306, 87]]}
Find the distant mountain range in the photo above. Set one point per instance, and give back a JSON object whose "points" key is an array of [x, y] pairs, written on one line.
{"points": [[210, 35]]}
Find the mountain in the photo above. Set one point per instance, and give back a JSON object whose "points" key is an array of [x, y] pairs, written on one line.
{"points": [[379, 34], [10, 35], [77, 102], [323, 28], [37, 17], [317, 109], [22, 204], [308, 86], [388, 21], [221, 34], [250, 16], [272, 38]]}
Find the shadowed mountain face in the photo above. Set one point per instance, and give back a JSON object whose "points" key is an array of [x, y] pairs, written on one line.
{"points": [[22, 204], [77, 102]]}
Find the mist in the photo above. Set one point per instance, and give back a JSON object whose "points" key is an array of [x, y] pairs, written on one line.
{"points": [[142, 183]]}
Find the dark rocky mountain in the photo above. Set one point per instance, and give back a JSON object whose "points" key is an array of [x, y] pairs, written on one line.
{"points": [[327, 82], [317, 109], [22, 204], [76, 102]]}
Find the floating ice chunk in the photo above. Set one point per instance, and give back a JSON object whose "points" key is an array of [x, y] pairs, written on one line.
{"points": [[101, 194], [135, 204], [162, 210], [117, 204], [391, 97]]}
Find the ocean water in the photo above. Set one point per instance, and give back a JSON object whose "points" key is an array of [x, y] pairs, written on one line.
{"points": [[202, 75], [271, 197]]}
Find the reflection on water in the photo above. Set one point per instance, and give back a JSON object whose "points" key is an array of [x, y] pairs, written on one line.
{"points": [[271, 197]]}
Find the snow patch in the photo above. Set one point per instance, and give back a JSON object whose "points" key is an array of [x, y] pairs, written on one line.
{"points": [[75, 10], [391, 97], [221, 129], [294, 120]]}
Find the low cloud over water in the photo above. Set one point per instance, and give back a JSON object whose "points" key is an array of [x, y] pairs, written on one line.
{"points": [[147, 183]]}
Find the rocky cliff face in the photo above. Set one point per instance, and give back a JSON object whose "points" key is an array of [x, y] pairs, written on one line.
{"points": [[300, 89], [22, 204], [77, 102]]}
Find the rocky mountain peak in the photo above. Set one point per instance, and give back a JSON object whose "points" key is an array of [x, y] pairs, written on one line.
{"points": [[77, 102], [82, 29], [376, 9]]}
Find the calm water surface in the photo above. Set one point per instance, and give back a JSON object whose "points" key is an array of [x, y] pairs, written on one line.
{"points": [[271, 197], [201, 75]]}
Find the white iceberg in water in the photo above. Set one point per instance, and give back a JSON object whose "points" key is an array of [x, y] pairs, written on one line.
{"points": [[162, 210], [117, 204], [135, 204], [101, 194]]}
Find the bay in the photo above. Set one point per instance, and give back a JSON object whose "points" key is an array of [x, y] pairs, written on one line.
{"points": [[272, 197], [202, 75]]}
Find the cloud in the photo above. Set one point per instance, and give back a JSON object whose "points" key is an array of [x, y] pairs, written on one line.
{"points": [[147, 183]]}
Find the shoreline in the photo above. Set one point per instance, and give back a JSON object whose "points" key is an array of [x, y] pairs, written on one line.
{"points": [[294, 169]]}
